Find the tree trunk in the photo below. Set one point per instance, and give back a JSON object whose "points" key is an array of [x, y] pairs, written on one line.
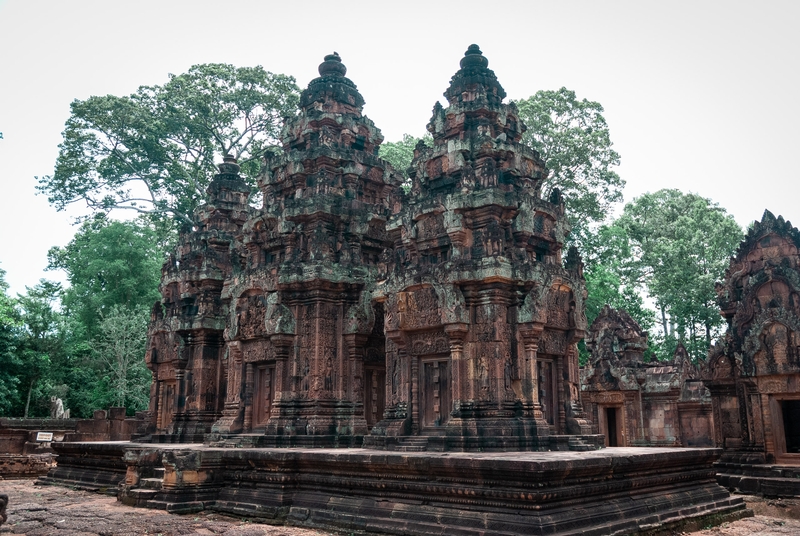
{"points": [[28, 402], [664, 322]]}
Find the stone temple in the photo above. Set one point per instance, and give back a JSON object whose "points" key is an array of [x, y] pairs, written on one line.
{"points": [[753, 373], [413, 343], [347, 308]]}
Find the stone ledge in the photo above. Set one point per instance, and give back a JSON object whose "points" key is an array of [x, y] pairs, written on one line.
{"points": [[608, 491]]}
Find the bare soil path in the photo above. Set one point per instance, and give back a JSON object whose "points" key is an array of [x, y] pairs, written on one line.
{"points": [[50, 510]]}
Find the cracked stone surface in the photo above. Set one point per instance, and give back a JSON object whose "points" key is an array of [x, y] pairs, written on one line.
{"points": [[49, 510]]}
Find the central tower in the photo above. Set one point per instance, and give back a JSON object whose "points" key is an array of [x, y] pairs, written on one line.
{"points": [[301, 320], [482, 314]]}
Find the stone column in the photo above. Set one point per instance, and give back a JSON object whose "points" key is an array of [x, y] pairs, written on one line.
{"points": [[459, 377], [531, 332]]}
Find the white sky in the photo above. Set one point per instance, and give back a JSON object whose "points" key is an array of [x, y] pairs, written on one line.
{"points": [[700, 96]]}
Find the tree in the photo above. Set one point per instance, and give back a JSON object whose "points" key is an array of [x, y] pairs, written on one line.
{"points": [[572, 137], [40, 342], [154, 152], [9, 361], [400, 153], [119, 351], [681, 244], [610, 279], [108, 263]]}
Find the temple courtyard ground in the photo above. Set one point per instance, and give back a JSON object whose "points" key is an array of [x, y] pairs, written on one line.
{"points": [[51, 510]]}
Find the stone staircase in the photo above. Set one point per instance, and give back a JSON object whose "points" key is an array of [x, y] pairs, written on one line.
{"points": [[146, 490], [577, 444], [412, 444]]}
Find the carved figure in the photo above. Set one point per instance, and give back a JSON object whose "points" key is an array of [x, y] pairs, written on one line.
{"points": [[57, 410]]}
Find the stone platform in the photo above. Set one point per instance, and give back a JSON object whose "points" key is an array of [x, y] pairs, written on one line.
{"points": [[608, 491], [769, 480]]}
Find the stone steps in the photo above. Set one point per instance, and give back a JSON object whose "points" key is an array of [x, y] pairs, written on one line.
{"points": [[412, 444], [577, 444], [150, 483]]}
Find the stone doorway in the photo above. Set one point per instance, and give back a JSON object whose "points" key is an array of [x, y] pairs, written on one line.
{"points": [[791, 425], [374, 394], [547, 390], [263, 394], [435, 396], [611, 425], [167, 405]]}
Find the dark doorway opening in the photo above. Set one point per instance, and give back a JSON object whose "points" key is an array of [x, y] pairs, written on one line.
{"points": [[791, 425], [611, 427]]}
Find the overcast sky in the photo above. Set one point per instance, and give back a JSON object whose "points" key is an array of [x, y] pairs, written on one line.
{"points": [[700, 96]]}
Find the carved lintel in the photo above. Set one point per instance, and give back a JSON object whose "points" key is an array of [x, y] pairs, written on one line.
{"points": [[282, 343], [457, 331]]}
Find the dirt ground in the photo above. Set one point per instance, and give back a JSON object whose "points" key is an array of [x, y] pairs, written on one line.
{"points": [[50, 510]]}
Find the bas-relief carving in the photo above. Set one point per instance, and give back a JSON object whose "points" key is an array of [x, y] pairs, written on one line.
{"points": [[418, 308], [428, 343], [553, 343]]}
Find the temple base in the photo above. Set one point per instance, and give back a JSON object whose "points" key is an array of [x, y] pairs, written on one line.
{"points": [[607, 491], [739, 473]]}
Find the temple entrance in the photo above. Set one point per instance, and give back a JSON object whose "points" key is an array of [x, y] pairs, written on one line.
{"points": [[435, 398], [264, 390], [547, 389], [612, 426], [167, 406], [791, 425], [374, 394]]}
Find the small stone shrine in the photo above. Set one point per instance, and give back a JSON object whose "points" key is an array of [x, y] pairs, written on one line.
{"points": [[753, 373], [346, 312], [633, 403]]}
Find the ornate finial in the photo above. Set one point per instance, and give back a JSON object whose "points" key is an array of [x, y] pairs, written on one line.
{"points": [[332, 66], [473, 57], [229, 165]]}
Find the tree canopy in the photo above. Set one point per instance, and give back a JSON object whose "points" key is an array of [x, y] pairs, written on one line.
{"points": [[573, 138], [400, 153], [109, 263], [10, 362], [154, 152], [680, 246]]}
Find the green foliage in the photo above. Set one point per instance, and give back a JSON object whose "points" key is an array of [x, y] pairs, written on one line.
{"points": [[108, 263], [9, 361], [572, 137], [154, 151], [680, 246], [400, 153], [40, 346], [119, 350]]}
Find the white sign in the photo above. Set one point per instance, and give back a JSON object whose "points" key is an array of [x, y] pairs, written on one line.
{"points": [[44, 436]]}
